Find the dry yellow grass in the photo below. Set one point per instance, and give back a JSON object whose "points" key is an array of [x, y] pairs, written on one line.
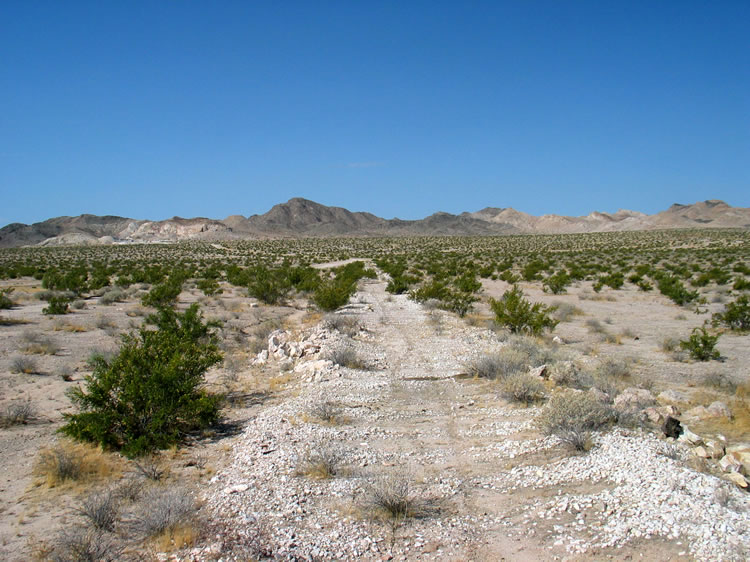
{"points": [[69, 463], [176, 538]]}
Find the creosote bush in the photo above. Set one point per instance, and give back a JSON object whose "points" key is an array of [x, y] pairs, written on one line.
{"points": [[701, 345], [521, 316], [571, 416], [149, 395], [736, 315]]}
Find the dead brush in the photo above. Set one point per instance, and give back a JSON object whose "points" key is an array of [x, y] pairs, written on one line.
{"points": [[24, 365], [343, 323], [347, 357], [34, 342], [77, 544], [325, 411], [522, 388], [162, 510], [17, 413], [150, 468], [321, 462], [101, 510], [394, 497], [68, 462], [572, 416]]}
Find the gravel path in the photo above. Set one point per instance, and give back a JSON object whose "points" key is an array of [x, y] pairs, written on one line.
{"points": [[491, 486]]}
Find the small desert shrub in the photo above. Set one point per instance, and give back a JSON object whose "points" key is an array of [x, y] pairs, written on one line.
{"points": [[348, 325], [736, 315], [101, 510], [325, 411], [35, 342], [520, 316], [5, 302], [17, 413], [565, 311], [347, 357], [523, 388], [700, 345], [103, 322], [78, 304], [60, 464], [25, 365], [163, 509], [669, 344], [720, 381], [614, 368], [537, 352], [595, 327], [150, 468], [321, 462], [571, 416], [392, 496], [76, 544], [56, 305], [498, 365]]}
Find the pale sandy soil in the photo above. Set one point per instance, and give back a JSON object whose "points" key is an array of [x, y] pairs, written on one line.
{"points": [[412, 413]]}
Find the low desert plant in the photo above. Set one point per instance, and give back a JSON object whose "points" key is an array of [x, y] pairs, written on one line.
{"points": [[5, 302], [101, 510], [345, 324], [572, 416], [347, 357], [325, 411], [150, 468], [736, 315], [520, 316], [24, 365], [497, 365], [393, 497], [669, 344], [35, 342], [56, 305], [163, 509], [60, 464], [523, 388], [321, 462], [77, 544], [17, 413], [701, 345], [564, 312]]}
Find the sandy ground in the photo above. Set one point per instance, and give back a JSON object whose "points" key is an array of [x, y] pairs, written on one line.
{"points": [[421, 411]]}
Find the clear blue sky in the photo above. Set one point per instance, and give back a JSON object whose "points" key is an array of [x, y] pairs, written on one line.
{"points": [[154, 109]]}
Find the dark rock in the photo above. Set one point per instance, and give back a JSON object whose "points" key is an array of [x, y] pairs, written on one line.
{"points": [[672, 427]]}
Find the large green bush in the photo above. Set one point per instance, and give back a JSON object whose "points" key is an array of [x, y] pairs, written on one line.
{"points": [[700, 345], [520, 316], [149, 395]]}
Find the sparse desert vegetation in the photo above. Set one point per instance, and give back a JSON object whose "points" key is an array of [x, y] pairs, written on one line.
{"points": [[279, 378]]}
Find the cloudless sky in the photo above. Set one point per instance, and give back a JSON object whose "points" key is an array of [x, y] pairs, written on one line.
{"points": [[404, 108]]}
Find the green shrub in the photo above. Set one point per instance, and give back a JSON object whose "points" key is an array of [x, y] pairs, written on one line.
{"points": [[557, 283], [57, 305], [736, 315], [5, 302], [333, 294], [163, 294], [148, 396], [700, 345], [670, 286], [520, 316]]}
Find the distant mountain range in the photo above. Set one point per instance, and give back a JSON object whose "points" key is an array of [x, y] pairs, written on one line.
{"points": [[303, 218]]}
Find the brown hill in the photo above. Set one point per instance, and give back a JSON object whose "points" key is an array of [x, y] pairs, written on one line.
{"points": [[303, 218]]}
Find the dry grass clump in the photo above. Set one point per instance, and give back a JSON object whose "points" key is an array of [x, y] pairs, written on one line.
{"points": [[24, 365], [394, 497], [325, 411], [347, 357], [522, 388], [321, 462], [68, 462], [17, 413], [343, 323], [164, 511], [78, 544], [669, 344], [34, 342], [565, 311], [572, 416], [5, 321]]}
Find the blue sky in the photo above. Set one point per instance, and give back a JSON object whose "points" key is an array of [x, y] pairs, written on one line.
{"points": [[405, 108]]}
